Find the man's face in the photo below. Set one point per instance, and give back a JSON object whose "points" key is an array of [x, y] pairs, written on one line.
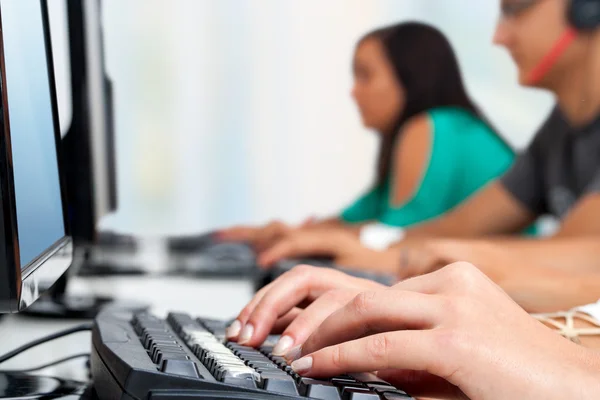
{"points": [[529, 29]]}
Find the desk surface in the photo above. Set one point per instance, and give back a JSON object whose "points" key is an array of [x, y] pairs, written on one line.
{"points": [[208, 298]]}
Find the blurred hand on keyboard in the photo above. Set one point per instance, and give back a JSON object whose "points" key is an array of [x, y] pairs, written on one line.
{"points": [[344, 248], [260, 237], [295, 303], [450, 334]]}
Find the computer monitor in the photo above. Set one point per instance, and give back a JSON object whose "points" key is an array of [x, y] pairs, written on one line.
{"points": [[35, 249], [88, 153], [89, 143]]}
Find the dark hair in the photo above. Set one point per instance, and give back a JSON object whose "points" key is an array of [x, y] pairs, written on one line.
{"points": [[426, 66]]}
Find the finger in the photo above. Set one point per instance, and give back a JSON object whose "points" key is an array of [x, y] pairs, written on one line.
{"points": [[296, 245], [377, 312], [309, 320], [237, 233], [268, 236], [408, 350], [234, 330], [291, 289], [338, 280], [282, 323], [423, 384], [308, 222]]}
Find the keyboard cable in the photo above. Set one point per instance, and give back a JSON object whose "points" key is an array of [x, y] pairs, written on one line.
{"points": [[48, 365], [46, 339]]}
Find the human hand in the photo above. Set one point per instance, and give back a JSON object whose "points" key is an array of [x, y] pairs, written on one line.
{"points": [[344, 248], [260, 237], [295, 303], [449, 334]]}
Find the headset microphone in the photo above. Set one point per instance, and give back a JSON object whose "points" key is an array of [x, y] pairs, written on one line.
{"points": [[552, 56], [583, 16]]}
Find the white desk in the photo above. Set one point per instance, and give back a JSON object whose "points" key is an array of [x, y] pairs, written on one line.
{"points": [[208, 298]]}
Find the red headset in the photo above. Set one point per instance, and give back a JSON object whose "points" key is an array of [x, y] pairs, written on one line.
{"points": [[583, 15]]}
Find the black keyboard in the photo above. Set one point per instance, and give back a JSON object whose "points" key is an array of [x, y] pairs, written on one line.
{"points": [[233, 259], [143, 357]]}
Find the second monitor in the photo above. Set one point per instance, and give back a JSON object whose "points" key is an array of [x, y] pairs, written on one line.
{"points": [[34, 243]]}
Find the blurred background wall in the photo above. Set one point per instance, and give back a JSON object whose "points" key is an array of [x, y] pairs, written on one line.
{"points": [[239, 111]]}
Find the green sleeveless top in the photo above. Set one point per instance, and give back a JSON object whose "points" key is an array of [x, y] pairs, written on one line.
{"points": [[466, 155]]}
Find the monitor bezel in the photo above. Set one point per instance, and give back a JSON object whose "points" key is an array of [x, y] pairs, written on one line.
{"points": [[89, 144], [22, 286]]}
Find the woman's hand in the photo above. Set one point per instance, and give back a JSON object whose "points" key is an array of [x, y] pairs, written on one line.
{"points": [[450, 334], [260, 237], [344, 248], [295, 303]]}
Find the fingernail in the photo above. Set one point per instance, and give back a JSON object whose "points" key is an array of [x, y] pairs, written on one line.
{"points": [[282, 347], [234, 329], [303, 365], [246, 334], [294, 354]]}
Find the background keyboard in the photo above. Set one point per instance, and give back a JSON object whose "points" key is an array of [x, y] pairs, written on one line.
{"points": [[142, 357]]}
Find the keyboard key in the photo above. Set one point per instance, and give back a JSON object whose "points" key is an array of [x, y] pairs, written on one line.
{"points": [[266, 349], [162, 356], [381, 388], [261, 364], [233, 370], [318, 389], [281, 383], [246, 383], [394, 396], [170, 349], [355, 393], [181, 367], [368, 378], [282, 362], [345, 381], [242, 376], [271, 341]]}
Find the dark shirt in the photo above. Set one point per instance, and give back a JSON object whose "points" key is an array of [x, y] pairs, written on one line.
{"points": [[560, 167]]}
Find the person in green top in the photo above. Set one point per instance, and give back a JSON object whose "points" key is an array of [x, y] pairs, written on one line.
{"points": [[436, 147], [464, 155]]}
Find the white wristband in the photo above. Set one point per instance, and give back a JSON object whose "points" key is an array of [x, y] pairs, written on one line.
{"points": [[593, 310], [380, 236]]}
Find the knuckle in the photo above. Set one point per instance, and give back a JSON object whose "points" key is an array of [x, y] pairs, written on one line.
{"points": [[338, 357], [464, 275], [303, 271], [363, 303], [378, 348]]}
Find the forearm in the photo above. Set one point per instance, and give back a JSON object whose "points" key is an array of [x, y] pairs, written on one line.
{"points": [[539, 275], [539, 289], [492, 211], [571, 255]]}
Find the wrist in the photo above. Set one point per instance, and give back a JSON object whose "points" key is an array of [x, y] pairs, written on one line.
{"points": [[589, 368]]}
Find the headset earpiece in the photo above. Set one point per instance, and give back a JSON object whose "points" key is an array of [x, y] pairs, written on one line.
{"points": [[584, 15]]}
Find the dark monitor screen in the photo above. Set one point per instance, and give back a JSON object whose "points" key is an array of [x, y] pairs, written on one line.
{"points": [[34, 248], [36, 178], [88, 145]]}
